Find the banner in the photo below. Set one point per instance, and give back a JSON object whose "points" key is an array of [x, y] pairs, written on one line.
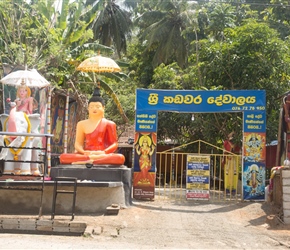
{"points": [[200, 101], [145, 145], [254, 168]]}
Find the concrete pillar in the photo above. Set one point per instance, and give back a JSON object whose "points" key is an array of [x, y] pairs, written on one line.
{"points": [[286, 195]]}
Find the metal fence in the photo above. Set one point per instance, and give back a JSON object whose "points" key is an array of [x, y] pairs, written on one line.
{"points": [[171, 174]]}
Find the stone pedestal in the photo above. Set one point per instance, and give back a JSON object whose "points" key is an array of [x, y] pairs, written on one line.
{"points": [[97, 188], [100, 173], [24, 197]]}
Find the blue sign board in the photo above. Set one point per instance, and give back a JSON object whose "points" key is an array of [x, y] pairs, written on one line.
{"points": [[146, 120], [193, 165], [255, 121], [195, 101]]}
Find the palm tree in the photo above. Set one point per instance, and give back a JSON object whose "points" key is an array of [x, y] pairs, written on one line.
{"points": [[163, 30], [222, 16], [111, 25]]}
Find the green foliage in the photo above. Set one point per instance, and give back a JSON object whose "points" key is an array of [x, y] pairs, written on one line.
{"points": [[125, 92], [167, 77], [221, 16], [23, 38], [140, 67], [251, 57], [163, 32], [112, 26], [175, 45], [278, 17]]}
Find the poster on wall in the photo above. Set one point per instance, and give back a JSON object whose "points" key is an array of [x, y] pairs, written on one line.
{"points": [[145, 145], [254, 167], [71, 128], [57, 123], [197, 177]]}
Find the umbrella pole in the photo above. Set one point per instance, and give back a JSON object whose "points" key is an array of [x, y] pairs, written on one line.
{"points": [[96, 81], [94, 77]]}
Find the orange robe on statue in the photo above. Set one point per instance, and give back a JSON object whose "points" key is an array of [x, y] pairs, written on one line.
{"points": [[103, 138]]}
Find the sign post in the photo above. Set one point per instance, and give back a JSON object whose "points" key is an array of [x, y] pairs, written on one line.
{"points": [[197, 177]]}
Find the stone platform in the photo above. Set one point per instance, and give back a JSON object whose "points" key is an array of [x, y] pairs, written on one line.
{"points": [[100, 173], [97, 188]]}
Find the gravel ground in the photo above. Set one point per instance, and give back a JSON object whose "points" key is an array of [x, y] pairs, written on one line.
{"points": [[168, 225]]}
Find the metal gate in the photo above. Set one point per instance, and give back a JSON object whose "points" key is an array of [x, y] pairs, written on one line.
{"points": [[171, 174]]}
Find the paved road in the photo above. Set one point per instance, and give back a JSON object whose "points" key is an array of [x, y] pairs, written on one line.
{"points": [[164, 225]]}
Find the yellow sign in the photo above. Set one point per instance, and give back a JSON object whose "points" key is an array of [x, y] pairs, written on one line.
{"points": [[199, 159], [198, 172], [203, 186]]}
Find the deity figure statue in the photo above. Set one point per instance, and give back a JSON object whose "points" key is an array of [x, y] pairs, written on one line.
{"points": [[229, 161], [96, 138], [24, 101], [22, 149]]}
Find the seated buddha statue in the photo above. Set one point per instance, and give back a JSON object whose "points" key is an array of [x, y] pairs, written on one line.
{"points": [[96, 138]]}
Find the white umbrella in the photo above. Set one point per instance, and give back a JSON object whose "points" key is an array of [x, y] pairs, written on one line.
{"points": [[30, 77]]}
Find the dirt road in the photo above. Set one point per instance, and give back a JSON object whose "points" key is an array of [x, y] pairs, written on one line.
{"points": [[165, 225]]}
